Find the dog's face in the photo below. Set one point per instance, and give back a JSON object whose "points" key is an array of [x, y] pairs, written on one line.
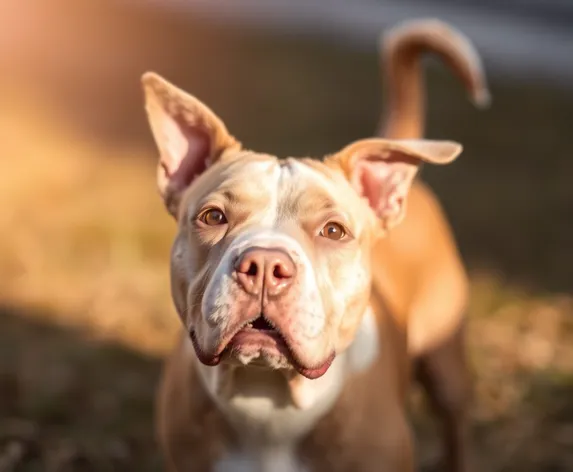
{"points": [[270, 266]]}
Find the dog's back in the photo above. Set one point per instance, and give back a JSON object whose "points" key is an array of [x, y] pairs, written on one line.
{"points": [[418, 267]]}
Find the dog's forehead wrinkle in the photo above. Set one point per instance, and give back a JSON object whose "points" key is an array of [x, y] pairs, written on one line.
{"points": [[322, 182], [253, 169], [302, 191], [236, 186]]}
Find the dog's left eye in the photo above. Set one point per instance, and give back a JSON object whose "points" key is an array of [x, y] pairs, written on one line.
{"points": [[333, 231], [213, 217]]}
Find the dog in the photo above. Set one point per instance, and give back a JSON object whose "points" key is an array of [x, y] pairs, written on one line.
{"points": [[310, 290]]}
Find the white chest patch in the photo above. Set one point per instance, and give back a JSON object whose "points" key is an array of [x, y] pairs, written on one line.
{"points": [[365, 348], [261, 408], [269, 460]]}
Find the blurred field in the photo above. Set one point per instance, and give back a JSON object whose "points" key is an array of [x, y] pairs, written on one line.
{"points": [[85, 312]]}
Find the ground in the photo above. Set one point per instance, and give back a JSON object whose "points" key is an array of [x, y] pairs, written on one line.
{"points": [[85, 311]]}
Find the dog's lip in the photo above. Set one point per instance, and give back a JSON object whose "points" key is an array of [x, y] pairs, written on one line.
{"points": [[205, 358], [215, 359], [315, 372], [274, 339], [249, 333], [265, 338], [245, 329]]}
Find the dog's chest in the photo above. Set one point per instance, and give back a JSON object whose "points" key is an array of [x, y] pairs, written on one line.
{"points": [[269, 427], [268, 434], [268, 460]]}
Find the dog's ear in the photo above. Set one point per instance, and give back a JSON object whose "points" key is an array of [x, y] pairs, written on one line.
{"points": [[189, 136], [382, 170]]}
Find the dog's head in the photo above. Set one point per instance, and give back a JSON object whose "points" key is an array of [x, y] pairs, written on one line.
{"points": [[271, 264]]}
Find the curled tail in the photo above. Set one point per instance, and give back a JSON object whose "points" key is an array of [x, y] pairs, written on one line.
{"points": [[402, 49]]}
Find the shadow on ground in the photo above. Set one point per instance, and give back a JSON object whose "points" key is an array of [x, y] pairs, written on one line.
{"points": [[69, 402]]}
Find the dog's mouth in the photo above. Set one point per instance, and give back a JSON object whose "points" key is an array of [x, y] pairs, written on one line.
{"points": [[260, 337], [261, 324], [261, 340]]}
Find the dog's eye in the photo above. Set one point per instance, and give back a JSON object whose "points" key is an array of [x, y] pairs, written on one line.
{"points": [[213, 217], [333, 231]]}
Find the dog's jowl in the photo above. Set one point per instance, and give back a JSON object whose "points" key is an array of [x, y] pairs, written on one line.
{"points": [[310, 290]]}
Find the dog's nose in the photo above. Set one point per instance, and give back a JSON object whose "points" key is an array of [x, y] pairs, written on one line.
{"points": [[268, 270]]}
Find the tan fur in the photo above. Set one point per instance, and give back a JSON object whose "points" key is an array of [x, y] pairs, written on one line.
{"points": [[423, 279], [401, 51], [271, 411]]}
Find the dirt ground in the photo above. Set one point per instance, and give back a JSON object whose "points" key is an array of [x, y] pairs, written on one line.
{"points": [[85, 313]]}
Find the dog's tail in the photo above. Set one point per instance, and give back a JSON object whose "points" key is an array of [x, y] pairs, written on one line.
{"points": [[401, 50]]}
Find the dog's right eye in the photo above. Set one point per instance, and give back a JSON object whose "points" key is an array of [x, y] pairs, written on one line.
{"points": [[213, 217], [333, 231]]}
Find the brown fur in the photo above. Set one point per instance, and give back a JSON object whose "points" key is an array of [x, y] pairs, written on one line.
{"points": [[192, 432], [414, 280], [424, 278]]}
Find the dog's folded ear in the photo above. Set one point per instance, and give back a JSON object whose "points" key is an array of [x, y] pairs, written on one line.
{"points": [[189, 136], [382, 170]]}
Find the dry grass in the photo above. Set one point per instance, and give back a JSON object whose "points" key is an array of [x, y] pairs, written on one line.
{"points": [[84, 300], [82, 234]]}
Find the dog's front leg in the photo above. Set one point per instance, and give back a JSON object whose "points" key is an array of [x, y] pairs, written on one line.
{"points": [[446, 378]]}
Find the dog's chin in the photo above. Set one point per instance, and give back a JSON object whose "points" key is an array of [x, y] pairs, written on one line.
{"points": [[259, 345]]}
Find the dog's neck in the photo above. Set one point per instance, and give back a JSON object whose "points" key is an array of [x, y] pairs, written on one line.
{"points": [[269, 409]]}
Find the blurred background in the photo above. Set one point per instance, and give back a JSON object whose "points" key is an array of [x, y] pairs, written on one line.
{"points": [[85, 311]]}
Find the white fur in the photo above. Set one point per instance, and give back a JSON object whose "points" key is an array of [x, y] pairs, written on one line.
{"points": [[300, 170], [214, 305], [309, 319], [352, 278], [366, 344], [273, 459]]}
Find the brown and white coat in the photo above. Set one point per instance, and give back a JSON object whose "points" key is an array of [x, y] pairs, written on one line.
{"points": [[306, 290]]}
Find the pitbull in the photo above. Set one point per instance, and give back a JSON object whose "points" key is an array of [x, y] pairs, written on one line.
{"points": [[311, 289]]}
